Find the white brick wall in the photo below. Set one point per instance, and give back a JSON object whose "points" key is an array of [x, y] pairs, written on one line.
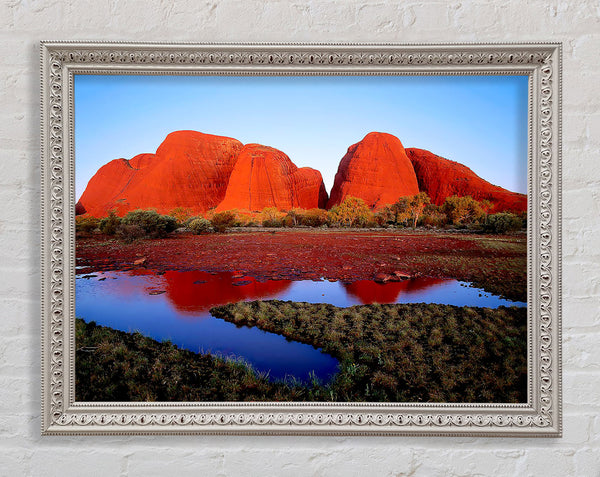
{"points": [[24, 22]]}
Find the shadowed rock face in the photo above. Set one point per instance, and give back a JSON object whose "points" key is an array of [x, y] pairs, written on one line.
{"points": [[376, 170], [441, 178], [266, 177], [190, 169]]}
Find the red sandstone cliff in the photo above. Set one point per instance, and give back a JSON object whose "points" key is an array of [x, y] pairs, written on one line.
{"points": [[376, 170], [201, 171], [266, 177], [190, 169], [106, 189], [441, 178]]}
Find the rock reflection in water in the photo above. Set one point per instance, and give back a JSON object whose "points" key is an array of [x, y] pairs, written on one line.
{"points": [[368, 291], [196, 292]]}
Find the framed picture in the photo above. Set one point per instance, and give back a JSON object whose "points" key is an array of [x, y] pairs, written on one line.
{"points": [[301, 239]]}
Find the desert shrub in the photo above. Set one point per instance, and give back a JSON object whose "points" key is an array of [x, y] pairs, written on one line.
{"points": [[244, 218], [523, 217], [200, 226], [250, 222], [191, 219], [150, 222], [181, 214], [462, 210], [221, 221], [272, 223], [352, 212], [271, 217], [503, 222], [130, 232], [313, 217], [85, 225], [110, 224]]}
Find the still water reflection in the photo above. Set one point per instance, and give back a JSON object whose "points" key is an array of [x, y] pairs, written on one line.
{"points": [[175, 306]]}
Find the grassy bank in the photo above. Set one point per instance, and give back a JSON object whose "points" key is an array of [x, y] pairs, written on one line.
{"points": [[112, 365], [405, 353], [387, 353]]}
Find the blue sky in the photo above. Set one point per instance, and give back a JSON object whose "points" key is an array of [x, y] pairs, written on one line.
{"points": [[479, 121]]}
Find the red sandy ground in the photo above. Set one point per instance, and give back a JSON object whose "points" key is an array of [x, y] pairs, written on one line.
{"points": [[496, 261]]}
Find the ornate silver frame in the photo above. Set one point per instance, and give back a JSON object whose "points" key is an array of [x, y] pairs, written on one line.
{"points": [[539, 416]]}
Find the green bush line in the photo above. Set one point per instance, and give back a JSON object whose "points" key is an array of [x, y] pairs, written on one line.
{"points": [[462, 212], [405, 352]]}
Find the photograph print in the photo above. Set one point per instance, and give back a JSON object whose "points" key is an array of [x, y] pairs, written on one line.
{"points": [[327, 239]]}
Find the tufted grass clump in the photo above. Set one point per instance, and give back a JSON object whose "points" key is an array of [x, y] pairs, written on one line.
{"points": [[200, 226], [503, 222]]}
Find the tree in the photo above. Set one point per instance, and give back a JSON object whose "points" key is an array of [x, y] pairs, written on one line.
{"points": [[486, 206], [271, 217], [401, 210], [181, 214], [462, 210], [293, 217], [352, 212], [432, 215], [385, 216], [416, 206], [408, 208]]}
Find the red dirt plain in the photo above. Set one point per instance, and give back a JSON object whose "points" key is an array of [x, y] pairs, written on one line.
{"points": [[497, 263]]}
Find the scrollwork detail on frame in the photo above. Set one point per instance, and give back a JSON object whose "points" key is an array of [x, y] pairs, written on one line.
{"points": [[541, 417]]}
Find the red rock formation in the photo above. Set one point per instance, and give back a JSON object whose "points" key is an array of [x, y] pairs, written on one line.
{"points": [[200, 171], [376, 170], [266, 177], [441, 178], [106, 190], [190, 169]]}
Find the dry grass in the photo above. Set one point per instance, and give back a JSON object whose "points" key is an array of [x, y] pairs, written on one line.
{"points": [[405, 353]]}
